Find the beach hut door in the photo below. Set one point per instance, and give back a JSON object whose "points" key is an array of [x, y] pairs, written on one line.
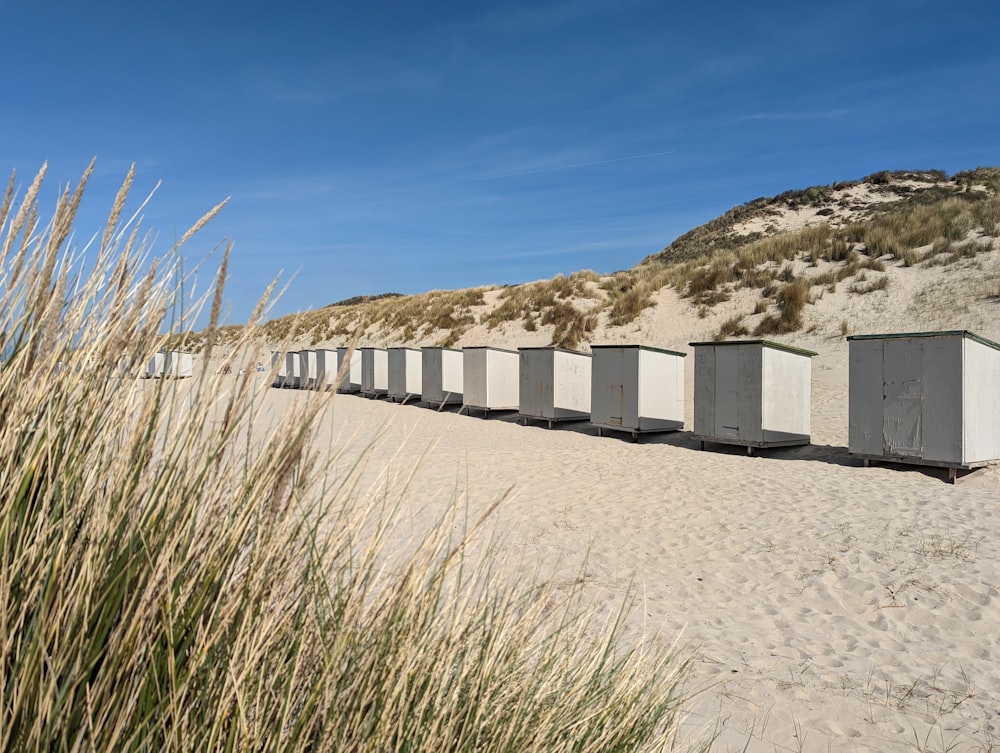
{"points": [[617, 404], [903, 398], [727, 392]]}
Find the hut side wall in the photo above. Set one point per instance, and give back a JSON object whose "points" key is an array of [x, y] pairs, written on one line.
{"points": [[571, 385], [326, 368], [351, 380], [981, 387], [787, 396], [502, 379], [414, 361], [452, 374], [660, 394], [374, 371]]}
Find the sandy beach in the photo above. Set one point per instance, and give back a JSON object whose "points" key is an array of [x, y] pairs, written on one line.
{"points": [[832, 606]]}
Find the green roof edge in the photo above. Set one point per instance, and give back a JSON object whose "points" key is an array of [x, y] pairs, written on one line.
{"points": [[768, 343], [941, 333]]}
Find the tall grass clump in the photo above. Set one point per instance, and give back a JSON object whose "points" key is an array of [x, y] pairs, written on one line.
{"points": [[180, 570], [791, 300]]}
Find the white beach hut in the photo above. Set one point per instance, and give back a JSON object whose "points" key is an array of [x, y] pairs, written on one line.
{"points": [[155, 366], [351, 381], [490, 379], [554, 384], [293, 370], [374, 372], [307, 369], [636, 388], [326, 368], [928, 398], [405, 374], [278, 367], [753, 393], [178, 365], [442, 380]]}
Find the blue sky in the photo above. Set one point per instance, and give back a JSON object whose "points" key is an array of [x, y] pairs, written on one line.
{"points": [[407, 146]]}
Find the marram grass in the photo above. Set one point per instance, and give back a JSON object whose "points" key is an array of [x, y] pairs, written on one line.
{"points": [[175, 576]]}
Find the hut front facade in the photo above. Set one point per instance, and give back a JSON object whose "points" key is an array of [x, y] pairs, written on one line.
{"points": [[405, 374], [754, 393], [374, 372], [554, 384], [491, 378], [636, 388], [930, 398], [442, 376], [351, 380]]}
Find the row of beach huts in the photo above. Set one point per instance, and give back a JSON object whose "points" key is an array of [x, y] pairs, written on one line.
{"points": [[929, 398], [169, 364]]}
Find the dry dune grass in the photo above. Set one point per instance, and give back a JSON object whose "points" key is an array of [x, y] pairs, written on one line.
{"points": [[179, 573], [909, 219]]}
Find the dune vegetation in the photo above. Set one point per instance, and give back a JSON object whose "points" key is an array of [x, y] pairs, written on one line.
{"points": [[180, 571], [789, 247]]}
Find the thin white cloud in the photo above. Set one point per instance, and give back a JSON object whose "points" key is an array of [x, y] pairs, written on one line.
{"points": [[821, 115], [576, 165]]}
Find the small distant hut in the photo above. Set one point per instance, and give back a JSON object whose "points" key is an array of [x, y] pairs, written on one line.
{"points": [[307, 369], [927, 398], [178, 365], [155, 366], [636, 389], [374, 372], [442, 376], [293, 370], [278, 367], [326, 368], [405, 374], [753, 393], [351, 380], [554, 385], [491, 379]]}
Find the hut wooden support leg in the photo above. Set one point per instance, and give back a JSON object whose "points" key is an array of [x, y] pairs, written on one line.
{"points": [[953, 475], [550, 423], [867, 463], [635, 436], [750, 451], [600, 431]]}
